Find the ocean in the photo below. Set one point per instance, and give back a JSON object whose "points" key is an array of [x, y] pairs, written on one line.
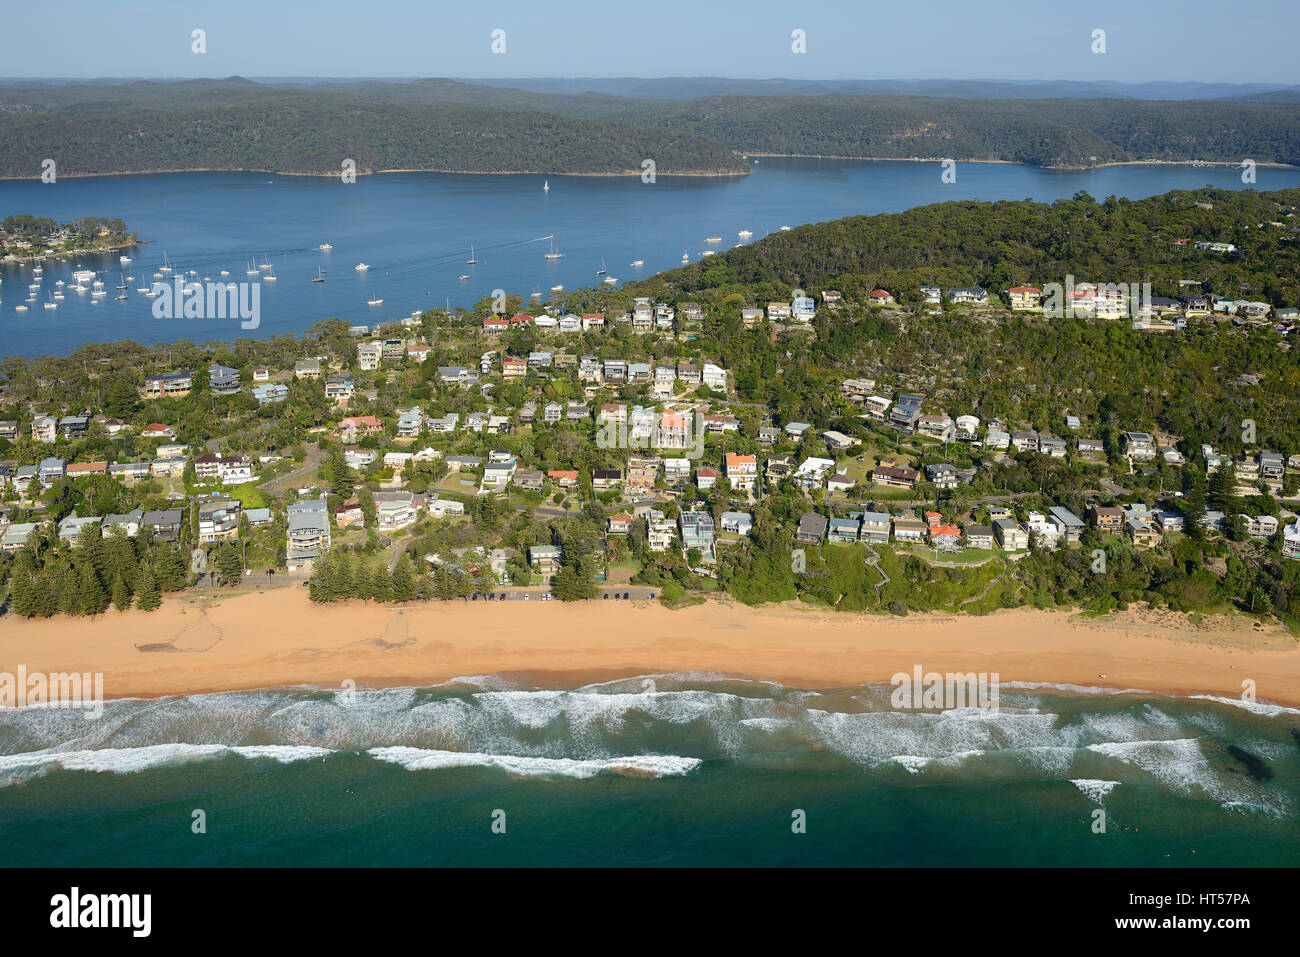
{"points": [[416, 230], [661, 770]]}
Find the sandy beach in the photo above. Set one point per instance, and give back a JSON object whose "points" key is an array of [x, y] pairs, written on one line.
{"points": [[277, 637]]}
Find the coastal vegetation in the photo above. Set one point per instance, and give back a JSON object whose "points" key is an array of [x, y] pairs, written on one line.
{"points": [[441, 124], [24, 236]]}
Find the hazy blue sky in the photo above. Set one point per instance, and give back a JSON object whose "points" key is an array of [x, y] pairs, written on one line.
{"points": [[1211, 40]]}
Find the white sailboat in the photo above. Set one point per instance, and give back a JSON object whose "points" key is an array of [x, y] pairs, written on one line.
{"points": [[166, 266], [375, 302], [270, 275], [320, 275], [686, 257], [601, 270], [252, 269], [554, 254], [546, 186], [51, 304], [265, 263], [471, 261]]}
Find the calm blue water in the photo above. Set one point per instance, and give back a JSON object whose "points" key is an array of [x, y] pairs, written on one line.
{"points": [[415, 230], [702, 770]]}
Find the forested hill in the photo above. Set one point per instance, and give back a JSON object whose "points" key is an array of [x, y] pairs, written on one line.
{"points": [[1003, 244], [1059, 133], [235, 125], [439, 124]]}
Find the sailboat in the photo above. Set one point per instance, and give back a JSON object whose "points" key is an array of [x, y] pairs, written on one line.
{"points": [[375, 302], [546, 186], [553, 254], [270, 275], [320, 275], [601, 270], [686, 257], [265, 263], [166, 266], [51, 304], [122, 284], [252, 269], [471, 261]]}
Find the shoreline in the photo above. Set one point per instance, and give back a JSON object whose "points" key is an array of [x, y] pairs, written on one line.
{"points": [[1226, 164], [72, 253], [277, 638], [379, 172], [1216, 164]]}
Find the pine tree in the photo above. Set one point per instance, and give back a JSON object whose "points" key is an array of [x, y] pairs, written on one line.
{"points": [[403, 587], [147, 597], [94, 597], [381, 586], [121, 594], [229, 566]]}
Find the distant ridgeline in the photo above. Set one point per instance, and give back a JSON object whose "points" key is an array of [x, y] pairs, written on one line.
{"points": [[25, 236], [1003, 244], [447, 125]]}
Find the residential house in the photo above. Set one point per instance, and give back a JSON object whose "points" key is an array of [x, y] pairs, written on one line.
{"points": [[1106, 518], [165, 523], [1009, 535], [219, 520], [737, 523], [842, 530], [269, 392], [812, 528], [697, 531], [394, 510], [742, 471], [308, 532], [307, 369]]}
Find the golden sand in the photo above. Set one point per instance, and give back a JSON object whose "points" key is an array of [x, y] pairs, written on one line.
{"points": [[277, 637]]}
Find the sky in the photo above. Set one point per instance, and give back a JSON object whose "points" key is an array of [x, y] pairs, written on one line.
{"points": [[1145, 40]]}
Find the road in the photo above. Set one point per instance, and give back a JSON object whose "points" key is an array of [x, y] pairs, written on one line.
{"points": [[290, 479]]}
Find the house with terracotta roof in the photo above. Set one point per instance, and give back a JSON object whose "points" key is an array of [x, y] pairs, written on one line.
{"points": [[1024, 297], [742, 471]]}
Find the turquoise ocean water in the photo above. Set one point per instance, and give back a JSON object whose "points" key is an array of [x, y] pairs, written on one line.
{"points": [[703, 770]]}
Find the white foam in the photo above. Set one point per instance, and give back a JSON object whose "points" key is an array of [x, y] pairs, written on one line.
{"points": [[1255, 707], [421, 759], [1094, 789], [16, 768]]}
